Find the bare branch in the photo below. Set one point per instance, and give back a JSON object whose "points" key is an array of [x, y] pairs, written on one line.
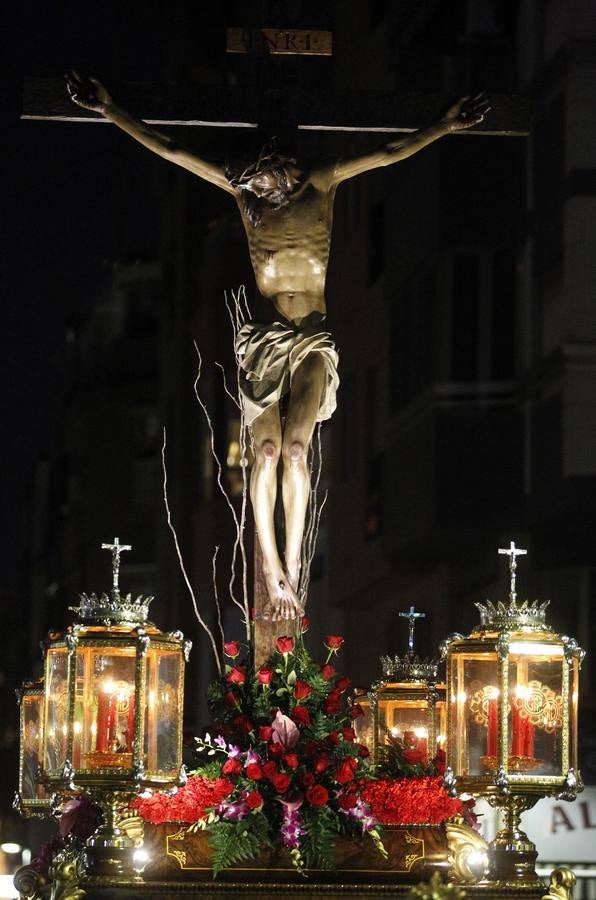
{"points": [[181, 561], [225, 384], [216, 596]]}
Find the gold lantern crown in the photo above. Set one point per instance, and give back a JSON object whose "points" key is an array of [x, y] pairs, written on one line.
{"points": [[114, 608], [410, 667], [513, 616]]}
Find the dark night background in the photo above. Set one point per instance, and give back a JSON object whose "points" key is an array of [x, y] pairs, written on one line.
{"points": [[460, 291]]}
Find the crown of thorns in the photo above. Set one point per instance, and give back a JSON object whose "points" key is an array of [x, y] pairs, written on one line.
{"points": [[268, 158]]}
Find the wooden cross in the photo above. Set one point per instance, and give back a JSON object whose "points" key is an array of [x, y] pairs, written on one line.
{"points": [[117, 548], [412, 615], [512, 551]]}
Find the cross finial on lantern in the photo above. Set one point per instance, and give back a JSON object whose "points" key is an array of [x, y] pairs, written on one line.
{"points": [[412, 615], [512, 552], [117, 548]]}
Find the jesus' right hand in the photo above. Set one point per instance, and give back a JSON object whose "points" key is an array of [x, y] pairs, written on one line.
{"points": [[87, 92]]}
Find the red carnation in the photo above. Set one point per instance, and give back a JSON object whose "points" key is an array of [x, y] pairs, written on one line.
{"points": [[355, 711], [254, 771], [285, 644], [327, 671], [413, 756], [281, 782], [322, 762], [301, 715], [345, 770], [236, 675], [439, 761], [334, 642], [270, 770], [304, 623], [307, 779], [348, 733], [348, 801], [317, 795], [231, 699], [254, 800], [232, 767], [291, 760], [301, 689], [231, 649], [265, 732], [265, 675], [332, 702]]}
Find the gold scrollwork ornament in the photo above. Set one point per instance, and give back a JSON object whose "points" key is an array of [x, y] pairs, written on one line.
{"points": [[65, 874], [468, 852]]}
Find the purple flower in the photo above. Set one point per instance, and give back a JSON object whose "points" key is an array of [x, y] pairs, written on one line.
{"points": [[233, 751], [363, 815], [252, 757], [233, 811], [291, 827], [220, 742]]}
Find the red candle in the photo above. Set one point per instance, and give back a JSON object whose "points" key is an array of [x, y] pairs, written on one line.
{"points": [[130, 722], [517, 730], [409, 739], [102, 741], [528, 732], [113, 709], [491, 734]]}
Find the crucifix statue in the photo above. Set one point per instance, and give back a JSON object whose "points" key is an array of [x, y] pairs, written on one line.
{"points": [[512, 552], [117, 549], [411, 615], [287, 212]]}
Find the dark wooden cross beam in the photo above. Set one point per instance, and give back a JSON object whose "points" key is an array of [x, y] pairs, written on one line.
{"points": [[384, 112]]}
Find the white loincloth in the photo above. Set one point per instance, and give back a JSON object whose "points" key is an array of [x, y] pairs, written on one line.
{"points": [[269, 354]]}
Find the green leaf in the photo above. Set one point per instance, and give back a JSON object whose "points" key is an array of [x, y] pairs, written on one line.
{"points": [[234, 842], [318, 844]]}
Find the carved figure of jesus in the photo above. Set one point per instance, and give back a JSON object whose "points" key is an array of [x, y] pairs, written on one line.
{"points": [[287, 212]]}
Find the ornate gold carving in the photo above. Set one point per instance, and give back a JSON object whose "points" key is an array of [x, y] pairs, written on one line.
{"points": [[65, 873], [133, 826], [29, 883], [180, 856], [435, 889], [538, 703], [561, 884], [410, 859], [467, 852]]}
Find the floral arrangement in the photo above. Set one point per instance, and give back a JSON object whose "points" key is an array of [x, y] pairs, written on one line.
{"points": [[283, 765]]}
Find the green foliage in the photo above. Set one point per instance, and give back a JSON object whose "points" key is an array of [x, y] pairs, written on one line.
{"points": [[235, 842], [317, 845], [210, 769]]}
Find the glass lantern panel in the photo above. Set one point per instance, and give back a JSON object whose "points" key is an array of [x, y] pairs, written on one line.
{"points": [[536, 709], [104, 707], [56, 726], [405, 721], [472, 746], [163, 736], [31, 712], [573, 701], [363, 724], [441, 719]]}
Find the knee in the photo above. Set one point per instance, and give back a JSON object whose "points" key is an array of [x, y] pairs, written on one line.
{"points": [[268, 453], [294, 454]]}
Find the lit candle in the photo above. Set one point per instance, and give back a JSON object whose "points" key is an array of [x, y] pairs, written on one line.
{"points": [[130, 721], [422, 742], [104, 706], [518, 724]]}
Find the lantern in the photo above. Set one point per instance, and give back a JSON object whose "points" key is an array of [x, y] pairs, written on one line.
{"points": [[112, 716], [406, 706], [512, 689], [32, 798]]}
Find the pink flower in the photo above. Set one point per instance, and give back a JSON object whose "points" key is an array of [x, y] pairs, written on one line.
{"points": [[285, 731]]}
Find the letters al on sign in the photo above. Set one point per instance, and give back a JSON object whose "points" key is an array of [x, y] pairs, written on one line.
{"points": [[280, 41]]}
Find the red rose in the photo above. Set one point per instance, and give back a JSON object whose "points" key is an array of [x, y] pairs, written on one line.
{"points": [[343, 683], [276, 749], [270, 770], [327, 671], [304, 623], [236, 675], [301, 715], [232, 767], [347, 801], [265, 732], [363, 751], [345, 771], [301, 689], [412, 756], [254, 800], [439, 761], [332, 702], [317, 795], [311, 747], [281, 782], [231, 699], [355, 711], [334, 642], [291, 760], [332, 738], [348, 733], [231, 649], [285, 644], [254, 771], [307, 779], [265, 675], [322, 762], [244, 724]]}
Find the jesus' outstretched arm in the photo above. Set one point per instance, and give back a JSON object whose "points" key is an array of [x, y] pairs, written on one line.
{"points": [[464, 114], [91, 94]]}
